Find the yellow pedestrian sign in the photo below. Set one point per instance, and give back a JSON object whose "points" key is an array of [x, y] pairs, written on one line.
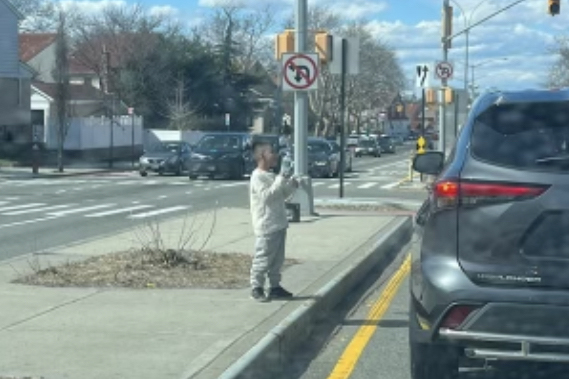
{"points": [[421, 142]]}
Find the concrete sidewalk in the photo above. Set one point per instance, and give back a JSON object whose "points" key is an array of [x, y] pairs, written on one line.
{"points": [[51, 172], [93, 333]]}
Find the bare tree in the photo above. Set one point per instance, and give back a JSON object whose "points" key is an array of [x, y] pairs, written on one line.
{"points": [[558, 75], [182, 111], [249, 29], [40, 15], [61, 76]]}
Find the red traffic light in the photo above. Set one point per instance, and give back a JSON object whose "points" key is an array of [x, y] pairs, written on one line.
{"points": [[554, 7]]}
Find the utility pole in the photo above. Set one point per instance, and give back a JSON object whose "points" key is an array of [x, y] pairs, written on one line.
{"points": [[109, 101], [304, 195], [343, 115], [445, 42]]}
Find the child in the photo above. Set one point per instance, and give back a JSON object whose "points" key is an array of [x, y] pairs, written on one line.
{"points": [[268, 193]]}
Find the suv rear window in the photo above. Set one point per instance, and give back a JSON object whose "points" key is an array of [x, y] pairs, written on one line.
{"points": [[530, 136]]}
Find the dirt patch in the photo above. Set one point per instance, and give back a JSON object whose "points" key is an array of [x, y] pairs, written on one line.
{"points": [[144, 269]]}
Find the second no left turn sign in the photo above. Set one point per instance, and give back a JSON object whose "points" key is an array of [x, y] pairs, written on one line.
{"points": [[444, 70], [300, 72]]}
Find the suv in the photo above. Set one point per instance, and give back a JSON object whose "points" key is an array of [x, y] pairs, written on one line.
{"points": [[225, 154], [490, 281]]}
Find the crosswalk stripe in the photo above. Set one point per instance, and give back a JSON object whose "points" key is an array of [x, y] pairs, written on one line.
{"points": [[125, 182], [79, 210], [316, 184], [367, 185], [232, 184], [179, 183], [390, 185], [3, 202], [118, 211], [150, 182], [36, 210], [337, 185], [13, 207], [157, 212]]}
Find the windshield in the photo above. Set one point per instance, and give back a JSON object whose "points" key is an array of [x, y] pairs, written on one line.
{"points": [[220, 142], [366, 143], [165, 147], [318, 147]]}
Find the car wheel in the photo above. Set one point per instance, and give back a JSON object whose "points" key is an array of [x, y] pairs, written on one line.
{"points": [[193, 177], [143, 173], [430, 360], [161, 171]]}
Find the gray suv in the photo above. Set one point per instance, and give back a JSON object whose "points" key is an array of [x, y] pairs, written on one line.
{"points": [[490, 282]]}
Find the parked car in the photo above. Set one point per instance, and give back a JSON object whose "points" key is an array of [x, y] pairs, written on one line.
{"points": [[490, 280], [368, 146], [165, 157], [323, 161], [348, 155], [386, 143], [222, 154]]}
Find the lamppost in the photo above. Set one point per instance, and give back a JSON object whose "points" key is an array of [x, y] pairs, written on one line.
{"points": [[468, 22]]}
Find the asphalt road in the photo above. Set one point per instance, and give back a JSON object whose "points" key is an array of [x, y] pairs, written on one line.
{"points": [[37, 215], [370, 339]]}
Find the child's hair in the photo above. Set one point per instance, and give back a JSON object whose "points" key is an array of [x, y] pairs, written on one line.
{"points": [[259, 148]]}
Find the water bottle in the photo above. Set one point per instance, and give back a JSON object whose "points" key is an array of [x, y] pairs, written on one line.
{"points": [[286, 166]]}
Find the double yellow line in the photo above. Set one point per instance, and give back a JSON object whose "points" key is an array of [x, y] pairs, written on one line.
{"points": [[354, 350]]}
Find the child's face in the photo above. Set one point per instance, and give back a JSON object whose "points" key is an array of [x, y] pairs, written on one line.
{"points": [[270, 157]]}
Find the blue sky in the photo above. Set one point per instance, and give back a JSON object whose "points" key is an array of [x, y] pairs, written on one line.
{"points": [[510, 50]]}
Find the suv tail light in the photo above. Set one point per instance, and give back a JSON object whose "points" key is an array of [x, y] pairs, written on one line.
{"points": [[451, 193], [456, 316]]}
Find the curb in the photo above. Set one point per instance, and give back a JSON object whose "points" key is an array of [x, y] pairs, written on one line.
{"points": [[64, 174], [266, 358]]}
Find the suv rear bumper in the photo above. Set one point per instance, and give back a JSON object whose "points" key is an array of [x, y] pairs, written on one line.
{"points": [[521, 347], [525, 324]]}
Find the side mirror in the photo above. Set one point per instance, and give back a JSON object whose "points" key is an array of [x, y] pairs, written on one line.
{"points": [[429, 163]]}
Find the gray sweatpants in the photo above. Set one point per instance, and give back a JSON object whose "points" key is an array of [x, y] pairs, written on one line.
{"points": [[268, 260]]}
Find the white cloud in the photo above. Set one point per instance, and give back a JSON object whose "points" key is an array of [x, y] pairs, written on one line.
{"points": [[522, 34], [91, 7], [164, 10]]}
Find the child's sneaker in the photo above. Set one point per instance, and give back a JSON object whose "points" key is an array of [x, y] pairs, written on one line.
{"points": [[259, 295]]}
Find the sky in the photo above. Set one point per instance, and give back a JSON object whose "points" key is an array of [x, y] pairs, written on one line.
{"points": [[509, 51]]}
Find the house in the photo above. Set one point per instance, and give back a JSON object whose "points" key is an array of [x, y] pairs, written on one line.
{"points": [[264, 95], [86, 99], [15, 78]]}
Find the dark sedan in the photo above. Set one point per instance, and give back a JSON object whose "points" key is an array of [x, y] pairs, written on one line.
{"points": [[165, 157]]}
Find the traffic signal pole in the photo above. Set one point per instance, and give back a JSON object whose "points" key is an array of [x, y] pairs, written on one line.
{"points": [[303, 195]]}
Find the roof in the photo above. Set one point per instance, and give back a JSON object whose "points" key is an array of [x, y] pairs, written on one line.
{"points": [[33, 44], [76, 92], [13, 8]]}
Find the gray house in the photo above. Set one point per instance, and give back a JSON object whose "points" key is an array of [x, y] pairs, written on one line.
{"points": [[15, 79]]}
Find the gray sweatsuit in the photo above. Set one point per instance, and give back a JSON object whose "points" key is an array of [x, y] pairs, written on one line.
{"points": [[268, 193]]}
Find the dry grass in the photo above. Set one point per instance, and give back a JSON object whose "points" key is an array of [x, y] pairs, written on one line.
{"points": [[150, 269]]}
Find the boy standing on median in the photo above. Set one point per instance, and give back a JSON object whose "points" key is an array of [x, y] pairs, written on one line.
{"points": [[268, 193]]}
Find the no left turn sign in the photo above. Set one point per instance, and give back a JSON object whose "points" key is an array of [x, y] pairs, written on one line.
{"points": [[444, 70], [300, 72]]}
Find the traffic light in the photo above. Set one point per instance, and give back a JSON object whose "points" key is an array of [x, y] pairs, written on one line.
{"points": [[430, 96], [449, 95], [284, 43], [553, 7], [323, 46]]}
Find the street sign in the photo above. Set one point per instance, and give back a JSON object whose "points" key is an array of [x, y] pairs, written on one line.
{"points": [[444, 70], [422, 76], [227, 119], [300, 72], [421, 145], [352, 56]]}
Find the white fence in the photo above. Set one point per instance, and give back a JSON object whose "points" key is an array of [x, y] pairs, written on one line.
{"points": [[95, 133]]}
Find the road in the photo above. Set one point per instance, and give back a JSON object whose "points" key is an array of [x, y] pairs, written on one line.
{"points": [[37, 215], [368, 337]]}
